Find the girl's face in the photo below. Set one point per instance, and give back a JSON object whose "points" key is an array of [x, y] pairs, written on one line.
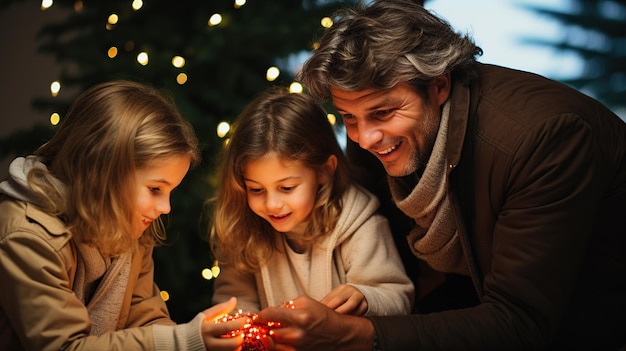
{"points": [[281, 191], [154, 186]]}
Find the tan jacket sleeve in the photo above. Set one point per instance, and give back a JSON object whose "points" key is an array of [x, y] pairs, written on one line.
{"points": [[39, 310]]}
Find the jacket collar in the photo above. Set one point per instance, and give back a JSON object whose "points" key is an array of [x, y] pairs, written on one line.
{"points": [[457, 122], [53, 224]]}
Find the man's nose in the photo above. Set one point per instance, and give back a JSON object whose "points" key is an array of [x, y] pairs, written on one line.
{"points": [[368, 134]]}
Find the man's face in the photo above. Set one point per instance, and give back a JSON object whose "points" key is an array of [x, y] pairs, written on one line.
{"points": [[397, 125]]}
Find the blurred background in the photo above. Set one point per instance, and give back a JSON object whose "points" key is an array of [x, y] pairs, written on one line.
{"points": [[215, 56]]}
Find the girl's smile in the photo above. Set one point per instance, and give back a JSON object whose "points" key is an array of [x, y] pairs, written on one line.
{"points": [[281, 191], [154, 187]]}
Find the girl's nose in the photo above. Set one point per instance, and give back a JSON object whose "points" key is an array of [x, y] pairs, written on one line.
{"points": [[163, 206], [273, 202]]}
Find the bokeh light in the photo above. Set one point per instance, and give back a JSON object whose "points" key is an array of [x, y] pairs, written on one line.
{"points": [[178, 61], [142, 58], [112, 52], [55, 118], [332, 118], [46, 4], [222, 129], [181, 78], [272, 73], [113, 18], [327, 22], [295, 87], [55, 87], [215, 19], [137, 4]]}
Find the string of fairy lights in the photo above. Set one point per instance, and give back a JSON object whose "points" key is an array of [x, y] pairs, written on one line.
{"points": [[143, 57], [179, 62]]}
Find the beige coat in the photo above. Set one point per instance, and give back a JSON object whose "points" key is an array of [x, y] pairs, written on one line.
{"points": [[38, 309]]}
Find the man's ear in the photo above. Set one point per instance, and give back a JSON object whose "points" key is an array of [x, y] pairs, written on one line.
{"points": [[440, 88], [329, 169]]}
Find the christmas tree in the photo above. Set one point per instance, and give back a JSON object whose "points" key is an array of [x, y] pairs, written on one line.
{"points": [[212, 57]]}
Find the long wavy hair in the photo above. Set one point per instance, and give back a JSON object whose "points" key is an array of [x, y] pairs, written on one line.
{"points": [[296, 128], [378, 44], [112, 130]]}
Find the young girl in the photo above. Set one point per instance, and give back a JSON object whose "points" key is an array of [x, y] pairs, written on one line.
{"points": [[78, 223], [288, 221]]}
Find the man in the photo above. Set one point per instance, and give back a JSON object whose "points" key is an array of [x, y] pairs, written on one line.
{"points": [[510, 179]]}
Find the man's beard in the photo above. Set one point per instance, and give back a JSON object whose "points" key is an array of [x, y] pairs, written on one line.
{"points": [[419, 156]]}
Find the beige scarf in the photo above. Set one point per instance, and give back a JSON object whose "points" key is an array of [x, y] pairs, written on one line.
{"points": [[100, 283], [435, 238]]}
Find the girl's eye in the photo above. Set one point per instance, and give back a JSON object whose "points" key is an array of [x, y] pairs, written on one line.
{"points": [[287, 188], [255, 190], [154, 189]]}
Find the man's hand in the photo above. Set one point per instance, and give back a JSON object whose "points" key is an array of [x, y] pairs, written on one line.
{"points": [[310, 325]]}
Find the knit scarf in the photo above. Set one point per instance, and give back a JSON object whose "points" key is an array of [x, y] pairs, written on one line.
{"points": [[100, 283], [435, 237]]}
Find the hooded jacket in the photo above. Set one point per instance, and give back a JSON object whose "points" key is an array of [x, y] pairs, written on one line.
{"points": [[38, 264], [537, 179], [359, 252]]}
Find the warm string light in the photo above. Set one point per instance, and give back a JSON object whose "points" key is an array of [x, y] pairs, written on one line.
{"points": [[255, 334], [326, 22], [296, 87], [55, 118], [222, 129], [272, 73], [213, 272], [137, 4], [55, 87], [215, 19], [142, 58], [331, 118], [46, 4]]}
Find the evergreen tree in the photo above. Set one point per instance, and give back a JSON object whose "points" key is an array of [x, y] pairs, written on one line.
{"points": [[225, 66], [595, 30]]}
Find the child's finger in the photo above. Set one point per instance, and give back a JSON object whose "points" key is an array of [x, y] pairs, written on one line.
{"points": [[211, 314]]}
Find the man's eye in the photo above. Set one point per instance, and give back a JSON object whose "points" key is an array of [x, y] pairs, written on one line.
{"points": [[348, 119], [382, 113]]}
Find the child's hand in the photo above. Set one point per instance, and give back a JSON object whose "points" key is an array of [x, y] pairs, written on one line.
{"points": [[213, 332], [346, 299]]}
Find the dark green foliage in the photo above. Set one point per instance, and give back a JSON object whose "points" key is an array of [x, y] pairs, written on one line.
{"points": [[226, 66]]}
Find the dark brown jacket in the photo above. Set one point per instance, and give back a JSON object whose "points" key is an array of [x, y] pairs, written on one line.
{"points": [[538, 182]]}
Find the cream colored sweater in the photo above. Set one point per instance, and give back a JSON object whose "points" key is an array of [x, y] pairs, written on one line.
{"points": [[360, 252]]}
